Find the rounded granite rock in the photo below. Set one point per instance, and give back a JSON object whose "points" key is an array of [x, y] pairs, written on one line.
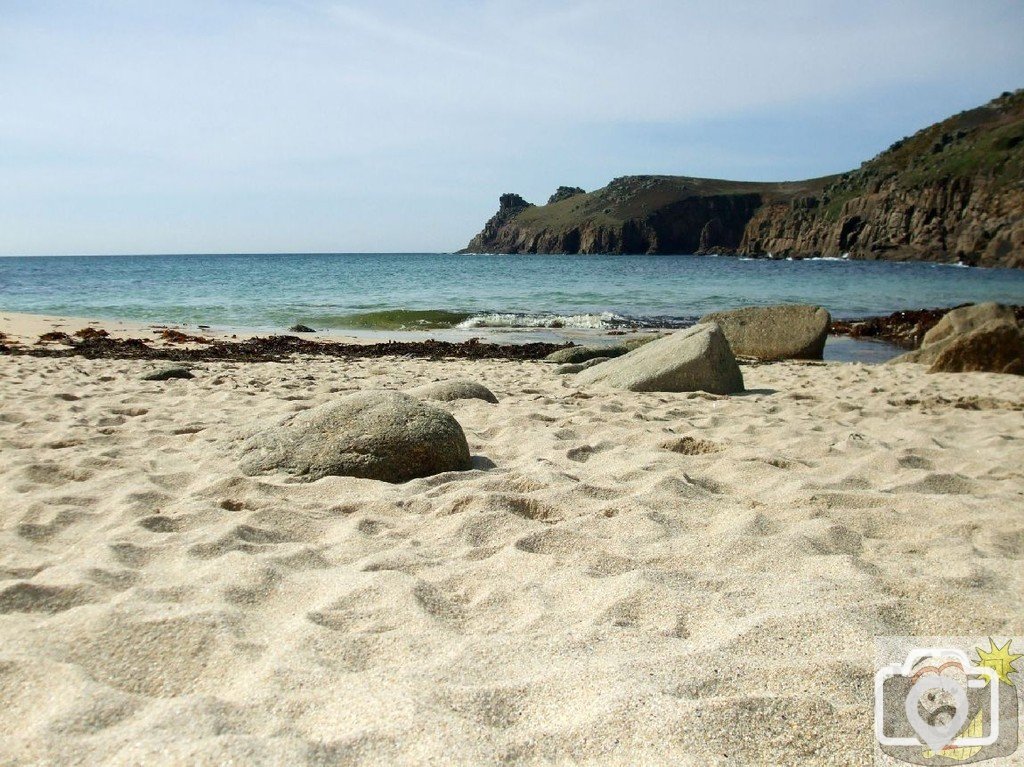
{"points": [[383, 435], [575, 367], [954, 324], [783, 332], [167, 373], [967, 319], [446, 391], [574, 355], [995, 347]]}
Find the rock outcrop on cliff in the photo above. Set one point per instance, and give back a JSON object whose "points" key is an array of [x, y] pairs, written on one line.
{"points": [[565, 192], [509, 205], [952, 192]]}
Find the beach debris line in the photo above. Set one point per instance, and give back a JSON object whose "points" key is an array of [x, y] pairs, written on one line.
{"points": [[172, 336], [56, 337], [376, 434], [275, 348], [91, 333]]}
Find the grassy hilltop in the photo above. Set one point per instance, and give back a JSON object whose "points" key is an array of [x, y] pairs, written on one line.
{"points": [[954, 191]]}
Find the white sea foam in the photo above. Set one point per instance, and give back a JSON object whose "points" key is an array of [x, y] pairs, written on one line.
{"points": [[600, 321]]}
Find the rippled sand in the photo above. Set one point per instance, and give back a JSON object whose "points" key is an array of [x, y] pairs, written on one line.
{"points": [[625, 579]]}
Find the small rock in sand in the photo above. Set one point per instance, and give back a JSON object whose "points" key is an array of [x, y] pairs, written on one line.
{"points": [[383, 435], [446, 391], [577, 354], [577, 367], [165, 374], [574, 355]]}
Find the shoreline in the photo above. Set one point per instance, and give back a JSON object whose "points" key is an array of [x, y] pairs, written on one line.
{"points": [[60, 337], [44, 335]]}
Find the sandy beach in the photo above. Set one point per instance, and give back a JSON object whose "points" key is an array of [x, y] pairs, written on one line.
{"points": [[623, 578], [23, 328]]}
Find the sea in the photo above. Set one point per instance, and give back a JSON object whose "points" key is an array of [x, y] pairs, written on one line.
{"points": [[451, 296]]}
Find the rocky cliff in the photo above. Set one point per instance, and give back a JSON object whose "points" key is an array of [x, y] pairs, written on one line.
{"points": [[952, 192]]}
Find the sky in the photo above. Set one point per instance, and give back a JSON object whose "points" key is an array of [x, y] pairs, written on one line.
{"points": [[393, 126]]}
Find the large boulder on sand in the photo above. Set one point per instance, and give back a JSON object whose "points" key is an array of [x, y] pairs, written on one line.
{"points": [[446, 391], [694, 359], [967, 318], [382, 435], [784, 332], [956, 322], [995, 347]]}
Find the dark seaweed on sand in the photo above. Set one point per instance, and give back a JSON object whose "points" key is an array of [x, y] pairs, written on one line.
{"points": [[275, 348]]}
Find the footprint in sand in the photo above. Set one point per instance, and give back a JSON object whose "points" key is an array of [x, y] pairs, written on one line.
{"points": [[27, 597], [159, 523], [691, 446]]}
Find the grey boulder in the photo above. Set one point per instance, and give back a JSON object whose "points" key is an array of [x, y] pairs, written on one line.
{"points": [[576, 367], [783, 332], [382, 435], [574, 355], [967, 318], [577, 354], [446, 391], [167, 373], [694, 359], [954, 323], [995, 347]]}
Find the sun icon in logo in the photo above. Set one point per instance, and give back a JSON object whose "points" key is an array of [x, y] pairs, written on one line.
{"points": [[999, 659]]}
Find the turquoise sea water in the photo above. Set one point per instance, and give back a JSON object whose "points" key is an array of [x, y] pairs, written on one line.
{"points": [[437, 291]]}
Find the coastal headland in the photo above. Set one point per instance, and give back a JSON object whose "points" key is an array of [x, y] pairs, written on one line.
{"points": [[953, 193]]}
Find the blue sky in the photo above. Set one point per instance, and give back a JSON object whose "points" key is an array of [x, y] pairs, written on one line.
{"points": [[300, 125]]}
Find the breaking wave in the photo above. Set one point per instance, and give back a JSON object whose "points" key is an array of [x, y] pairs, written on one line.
{"points": [[602, 321], [442, 319], [393, 319], [589, 321]]}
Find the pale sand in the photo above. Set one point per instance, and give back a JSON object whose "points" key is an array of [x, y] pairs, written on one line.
{"points": [[595, 597], [26, 328]]}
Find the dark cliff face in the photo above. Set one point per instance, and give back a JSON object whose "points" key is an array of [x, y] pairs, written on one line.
{"points": [[508, 206], [633, 214], [952, 192], [965, 220]]}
